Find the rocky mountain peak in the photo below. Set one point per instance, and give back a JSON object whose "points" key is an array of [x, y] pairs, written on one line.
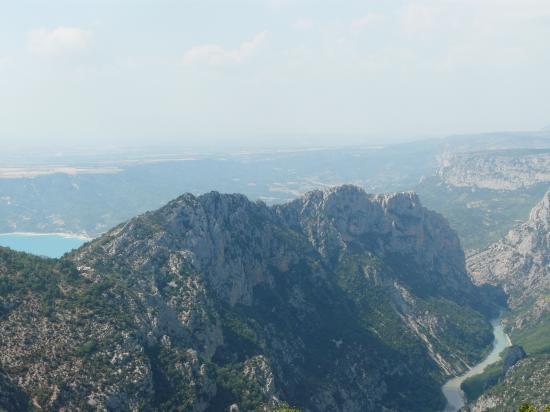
{"points": [[399, 202], [540, 215], [351, 193], [213, 232], [343, 219]]}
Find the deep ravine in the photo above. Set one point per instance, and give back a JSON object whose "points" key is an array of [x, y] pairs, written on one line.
{"points": [[451, 390]]}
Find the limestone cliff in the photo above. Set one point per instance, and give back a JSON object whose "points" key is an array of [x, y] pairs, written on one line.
{"points": [[520, 264], [498, 170]]}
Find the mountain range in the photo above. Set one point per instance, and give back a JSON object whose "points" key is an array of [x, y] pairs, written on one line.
{"points": [[339, 300]]}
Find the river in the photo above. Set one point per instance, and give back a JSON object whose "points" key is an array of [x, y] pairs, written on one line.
{"points": [[454, 395]]}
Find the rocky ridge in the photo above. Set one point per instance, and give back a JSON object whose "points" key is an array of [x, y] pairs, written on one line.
{"points": [[497, 170], [520, 264], [340, 300]]}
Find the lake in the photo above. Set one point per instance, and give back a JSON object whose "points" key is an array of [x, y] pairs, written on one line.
{"points": [[50, 245]]}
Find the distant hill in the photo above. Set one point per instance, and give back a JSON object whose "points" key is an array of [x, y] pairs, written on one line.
{"points": [[496, 141], [510, 169], [91, 203], [86, 199]]}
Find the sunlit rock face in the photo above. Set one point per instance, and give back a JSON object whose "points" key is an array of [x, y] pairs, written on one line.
{"points": [[520, 264]]}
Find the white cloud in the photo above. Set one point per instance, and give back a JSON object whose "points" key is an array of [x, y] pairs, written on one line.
{"points": [[368, 20], [215, 55], [303, 24], [59, 41]]}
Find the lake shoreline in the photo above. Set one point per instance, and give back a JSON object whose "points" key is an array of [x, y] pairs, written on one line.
{"points": [[51, 245], [70, 235]]}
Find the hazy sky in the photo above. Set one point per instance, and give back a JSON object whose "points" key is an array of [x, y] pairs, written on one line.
{"points": [[99, 70]]}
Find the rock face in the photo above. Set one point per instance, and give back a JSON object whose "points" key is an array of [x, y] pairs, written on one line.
{"points": [[337, 222], [340, 300], [498, 170], [520, 264]]}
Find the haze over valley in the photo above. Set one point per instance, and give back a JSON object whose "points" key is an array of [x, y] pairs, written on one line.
{"points": [[275, 206]]}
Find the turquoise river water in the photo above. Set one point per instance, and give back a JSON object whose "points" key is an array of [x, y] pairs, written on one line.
{"points": [[454, 395]]}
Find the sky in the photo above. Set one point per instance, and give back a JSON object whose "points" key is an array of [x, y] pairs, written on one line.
{"points": [[127, 71]]}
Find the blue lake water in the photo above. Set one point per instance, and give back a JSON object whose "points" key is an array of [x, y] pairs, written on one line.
{"points": [[50, 245]]}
